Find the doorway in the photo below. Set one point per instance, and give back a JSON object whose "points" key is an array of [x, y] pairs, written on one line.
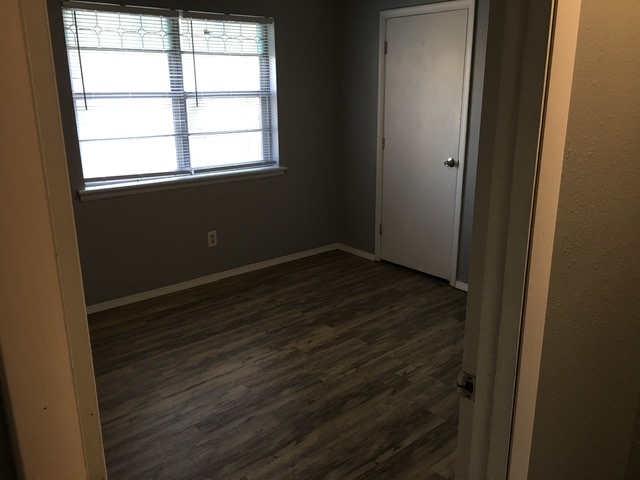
{"points": [[424, 78], [67, 264]]}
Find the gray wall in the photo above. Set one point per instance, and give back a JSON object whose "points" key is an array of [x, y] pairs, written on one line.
{"points": [[138, 243], [360, 83], [589, 383], [327, 62]]}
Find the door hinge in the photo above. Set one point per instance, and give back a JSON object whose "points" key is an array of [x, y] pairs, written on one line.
{"points": [[380, 229], [386, 47], [384, 142], [467, 385]]}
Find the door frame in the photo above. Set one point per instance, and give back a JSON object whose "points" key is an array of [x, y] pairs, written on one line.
{"points": [[59, 407], [486, 287], [385, 15], [529, 77]]}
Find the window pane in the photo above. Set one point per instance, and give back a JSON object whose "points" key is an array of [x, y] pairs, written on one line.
{"points": [[225, 149], [119, 72], [109, 158], [124, 117], [224, 114], [222, 73], [214, 36], [98, 29]]}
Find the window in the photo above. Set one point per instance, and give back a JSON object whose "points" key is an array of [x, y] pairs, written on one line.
{"points": [[163, 95]]}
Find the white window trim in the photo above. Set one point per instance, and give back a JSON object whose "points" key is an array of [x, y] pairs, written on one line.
{"points": [[148, 185]]}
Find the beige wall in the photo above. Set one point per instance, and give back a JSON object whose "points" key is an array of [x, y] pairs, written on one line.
{"points": [[43, 330], [588, 381]]}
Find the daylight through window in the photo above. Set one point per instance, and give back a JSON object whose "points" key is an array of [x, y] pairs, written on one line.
{"points": [[171, 94]]}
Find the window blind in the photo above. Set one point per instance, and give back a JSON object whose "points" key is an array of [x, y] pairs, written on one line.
{"points": [[163, 93]]}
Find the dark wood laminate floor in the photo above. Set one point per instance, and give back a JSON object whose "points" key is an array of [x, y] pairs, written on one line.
{"points": [[328, 367]]}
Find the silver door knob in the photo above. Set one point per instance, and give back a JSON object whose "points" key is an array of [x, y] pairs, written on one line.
{"points": [[450, 163]]}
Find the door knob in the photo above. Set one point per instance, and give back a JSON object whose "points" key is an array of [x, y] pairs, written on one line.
{"points": [[450, 163]]}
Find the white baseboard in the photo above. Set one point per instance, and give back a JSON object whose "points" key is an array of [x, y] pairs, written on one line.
{"points": [[196, 282], [356, 252]]}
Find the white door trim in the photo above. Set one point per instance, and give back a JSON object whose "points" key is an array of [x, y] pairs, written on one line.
{"points": [[551, 157], [51, 351], [464, 115], [518, 52]]}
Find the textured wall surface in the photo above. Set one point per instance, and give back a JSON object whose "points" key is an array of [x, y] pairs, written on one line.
{"points": [[589, 384]]}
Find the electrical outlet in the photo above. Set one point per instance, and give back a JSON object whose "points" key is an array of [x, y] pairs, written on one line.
{"points": [[212, 238]]}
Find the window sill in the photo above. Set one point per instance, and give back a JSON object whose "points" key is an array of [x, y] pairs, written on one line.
{"points": [[155, 185]]}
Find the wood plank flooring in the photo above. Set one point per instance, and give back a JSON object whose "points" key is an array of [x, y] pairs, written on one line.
{"points": [[329, 367]]}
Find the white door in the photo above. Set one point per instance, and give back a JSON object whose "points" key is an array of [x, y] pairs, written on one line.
{"points": [[424, 128]]}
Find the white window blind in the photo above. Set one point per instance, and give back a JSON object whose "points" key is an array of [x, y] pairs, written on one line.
{"points": [[159, 93]]}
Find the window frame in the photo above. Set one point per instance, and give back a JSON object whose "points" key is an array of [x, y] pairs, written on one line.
{"points": [[185, 175]]}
